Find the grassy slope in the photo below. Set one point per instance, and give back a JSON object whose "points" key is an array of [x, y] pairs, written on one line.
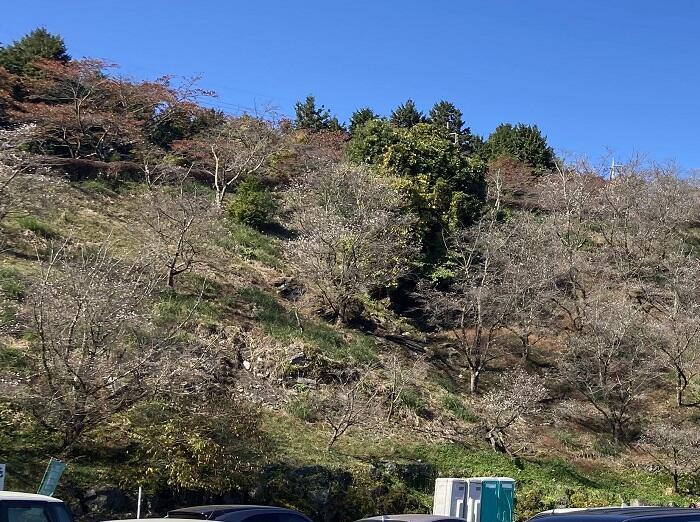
{"points": [[239, 290]]}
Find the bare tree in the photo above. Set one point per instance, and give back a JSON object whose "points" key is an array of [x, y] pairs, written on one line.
{"points": [[515, 395], [610, 362], [675, 447], [645, 217], [673, 309], [642, 216], [179, 224], [566, 195], [239, 148], [473, 308], [400, 375], [526, 281], [15, 187], [96, 350], [13, 168], [353, 235], [346, 407]]}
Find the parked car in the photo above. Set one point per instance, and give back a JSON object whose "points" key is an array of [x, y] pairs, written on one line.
{"points": [[228, 513], [620, 514], [28, 507], [239, 513], [411, 518]]}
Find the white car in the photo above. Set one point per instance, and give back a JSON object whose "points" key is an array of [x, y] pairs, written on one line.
{"points": [[28, 507]]}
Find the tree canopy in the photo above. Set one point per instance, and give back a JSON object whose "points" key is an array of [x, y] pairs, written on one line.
{"points": [[406, 115], [443, 185], [360, 117], [17, 57], [525, 143], [311, 117]]}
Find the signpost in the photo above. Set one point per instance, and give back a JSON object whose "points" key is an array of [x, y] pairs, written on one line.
{"points": [[2, 477], [51, 477]]}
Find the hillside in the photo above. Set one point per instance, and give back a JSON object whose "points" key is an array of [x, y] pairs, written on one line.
{"points": [[243, 308]]}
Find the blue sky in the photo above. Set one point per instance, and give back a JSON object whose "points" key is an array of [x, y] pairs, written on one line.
{"points": [[593, 74]]}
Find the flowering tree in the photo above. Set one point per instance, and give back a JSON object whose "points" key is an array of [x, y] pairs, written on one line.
{"points": [[353, 235], [675, 447], [95, 352], [236, 149], [516, 395]]}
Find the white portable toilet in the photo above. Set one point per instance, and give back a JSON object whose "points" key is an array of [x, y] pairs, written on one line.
{"points": [[476, 499]]}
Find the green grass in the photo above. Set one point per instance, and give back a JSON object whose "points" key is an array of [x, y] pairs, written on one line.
{"points": [[252, 244], [36, 226], [412, 399], [543, 484], [12, 292], [301, 407], [455, 405], [98, 186], [177, 306], [12, 359], [284, 325], [12, 284], [568, 440]]}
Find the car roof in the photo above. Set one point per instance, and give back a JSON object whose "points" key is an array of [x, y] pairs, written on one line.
{"points": [[617, 514], [215, 510], [151, 520], [18, 495], [411, 517]]}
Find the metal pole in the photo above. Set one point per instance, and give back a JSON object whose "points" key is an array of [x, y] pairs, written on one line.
{"points": [[138, 505]]}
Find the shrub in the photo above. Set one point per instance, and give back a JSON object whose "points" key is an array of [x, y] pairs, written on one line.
{"points": [[251, 244], [411, 399], [11, 285], [187, 446], [302, 407], [252, 204], [454, 405], [38, 227]]}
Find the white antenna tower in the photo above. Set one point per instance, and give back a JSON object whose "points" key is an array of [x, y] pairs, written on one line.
{"points": [[612, 169]]}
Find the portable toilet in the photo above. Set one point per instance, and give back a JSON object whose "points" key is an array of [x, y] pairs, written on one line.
{"points": [[476, 499]]}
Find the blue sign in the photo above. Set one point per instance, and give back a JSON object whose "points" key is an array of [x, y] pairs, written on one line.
{"points": [[51, 477]]}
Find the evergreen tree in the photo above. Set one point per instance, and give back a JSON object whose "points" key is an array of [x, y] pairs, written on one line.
{"points": [[370, 141], [522, 142], [406, 115], [444, 187], [310, 117], [18, 57], [360, 117], [446, 116], [335, 126]]}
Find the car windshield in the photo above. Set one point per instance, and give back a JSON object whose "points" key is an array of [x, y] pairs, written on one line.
{"points": [[33, 511]]}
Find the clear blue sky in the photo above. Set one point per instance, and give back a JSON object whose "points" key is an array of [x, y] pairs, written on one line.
{"points": [[592, 74]]}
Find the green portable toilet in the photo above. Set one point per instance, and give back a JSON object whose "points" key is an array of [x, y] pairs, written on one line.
{"points": [[496, 499]]}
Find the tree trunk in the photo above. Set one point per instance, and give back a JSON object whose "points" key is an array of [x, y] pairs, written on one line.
{"points": [[525, 354], [674, 476], [617, 431], [474, 380], [495, 438], [332, 440]]}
